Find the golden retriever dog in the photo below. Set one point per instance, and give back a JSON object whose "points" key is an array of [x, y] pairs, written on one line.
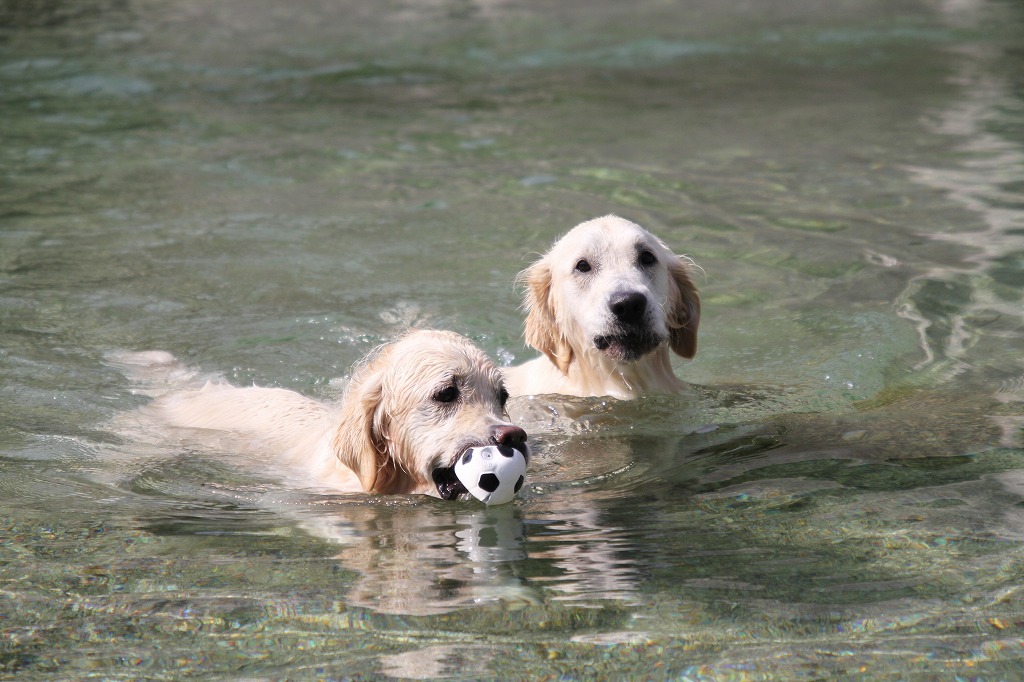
{"points": [[605, 305], [410, 410]]}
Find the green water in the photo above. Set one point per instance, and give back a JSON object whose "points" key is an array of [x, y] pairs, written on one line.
{"points": [[269, 191]]}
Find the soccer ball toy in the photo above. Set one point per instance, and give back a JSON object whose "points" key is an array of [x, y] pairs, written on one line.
{"points": [[492, 474]]}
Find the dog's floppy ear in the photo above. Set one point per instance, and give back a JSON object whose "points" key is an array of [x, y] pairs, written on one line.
{"points": [[683, 309], [361, 442], [542, 330]]}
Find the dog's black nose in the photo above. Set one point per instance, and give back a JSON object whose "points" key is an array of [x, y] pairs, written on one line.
{"points": [[508, 435], [628, 306]]}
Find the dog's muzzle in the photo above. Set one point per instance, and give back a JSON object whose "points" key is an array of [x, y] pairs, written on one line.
{"points": [[628, 346]]}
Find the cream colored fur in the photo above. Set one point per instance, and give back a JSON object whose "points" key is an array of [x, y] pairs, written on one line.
{"points": [[568, 309], [389, 432]]}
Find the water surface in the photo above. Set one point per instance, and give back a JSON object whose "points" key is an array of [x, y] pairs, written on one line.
{"points": [[269, 192]]}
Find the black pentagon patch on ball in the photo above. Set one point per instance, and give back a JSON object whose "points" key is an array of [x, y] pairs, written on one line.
{"points": [[519, 484], [489, 482], [506, 451], [468, 457]]}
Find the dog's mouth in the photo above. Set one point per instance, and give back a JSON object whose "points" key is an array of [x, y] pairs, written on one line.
{"points": [[449, 487], [627, 346]]}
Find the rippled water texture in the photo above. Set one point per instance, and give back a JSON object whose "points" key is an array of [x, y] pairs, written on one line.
{"points": [[268, 190]]}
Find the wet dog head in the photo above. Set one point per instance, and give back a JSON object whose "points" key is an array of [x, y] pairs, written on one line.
{"points": [[612, 288], [415, 406]]}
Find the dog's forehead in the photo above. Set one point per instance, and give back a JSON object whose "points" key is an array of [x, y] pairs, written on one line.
{"points": [[437, 364], [610, 235]]}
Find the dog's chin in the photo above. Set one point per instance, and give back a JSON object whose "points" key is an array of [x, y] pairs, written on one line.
{"points": [[627, 346]]}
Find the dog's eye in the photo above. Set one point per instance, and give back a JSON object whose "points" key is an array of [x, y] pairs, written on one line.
{"points": [[503, 397], [582, 265], [448, 394], [647, 258]]}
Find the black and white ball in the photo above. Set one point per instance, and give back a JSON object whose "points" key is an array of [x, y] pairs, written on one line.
{"points": [[492, 474]]}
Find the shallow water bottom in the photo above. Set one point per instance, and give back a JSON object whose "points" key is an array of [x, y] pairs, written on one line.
{"points": [[798, 546]]}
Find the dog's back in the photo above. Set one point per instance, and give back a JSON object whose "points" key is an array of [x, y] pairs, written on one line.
{"points": [[273, 415], [275, 424]]}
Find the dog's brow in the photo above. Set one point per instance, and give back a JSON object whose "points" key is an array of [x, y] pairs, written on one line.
{"points": [[450, 379]]}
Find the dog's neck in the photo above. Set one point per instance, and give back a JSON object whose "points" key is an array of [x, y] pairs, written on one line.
{"points": [[598, 374], [594, 374]]}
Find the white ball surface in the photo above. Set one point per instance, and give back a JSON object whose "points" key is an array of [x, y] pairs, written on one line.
{"points": [[492, 474]]}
